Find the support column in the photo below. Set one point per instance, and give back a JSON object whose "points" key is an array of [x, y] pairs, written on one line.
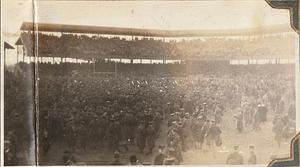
{"points": [[5, 59], [18, 50]]}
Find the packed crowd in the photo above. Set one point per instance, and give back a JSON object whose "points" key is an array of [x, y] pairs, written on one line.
{"points": [[112, 113], [71, 45], [214, 68]]}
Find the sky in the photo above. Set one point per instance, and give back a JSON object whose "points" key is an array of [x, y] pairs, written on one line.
{"points": [[229, 14]]}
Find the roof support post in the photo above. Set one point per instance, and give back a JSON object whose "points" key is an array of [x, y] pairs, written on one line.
{"points": [[18, 49], [23, 54], [5, 58]]}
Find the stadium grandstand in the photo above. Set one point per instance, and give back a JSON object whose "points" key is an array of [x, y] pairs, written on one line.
{"points": [[196, 92], [82, 36], [97, 44]]}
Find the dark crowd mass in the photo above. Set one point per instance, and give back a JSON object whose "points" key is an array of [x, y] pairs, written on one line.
{"points": [[74, 46], [158, 115]]}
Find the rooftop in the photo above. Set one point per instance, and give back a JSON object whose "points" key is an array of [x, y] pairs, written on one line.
{"points": [[49, 27]]}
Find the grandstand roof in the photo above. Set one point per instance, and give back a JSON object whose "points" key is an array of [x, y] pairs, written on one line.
{"points": [[47, 27], [8, 46], [19, 42]]}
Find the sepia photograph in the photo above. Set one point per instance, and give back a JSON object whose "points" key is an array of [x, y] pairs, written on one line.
{"points": [[147, 82]]}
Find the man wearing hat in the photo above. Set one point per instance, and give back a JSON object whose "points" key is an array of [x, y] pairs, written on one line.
{"points": [[140, 136], [263, 111], [150, 137], [235, 158], [116, 160], [212, 135], [174, 141], [93, 128], [114, 133], [252, 158], [10, 155], [133, 160], [82, 135], [159, 159], [71, 134], [148, 116], [239, 122], [171, 158], [257, 120], [68, 158], [171, 119], [129, 125]]}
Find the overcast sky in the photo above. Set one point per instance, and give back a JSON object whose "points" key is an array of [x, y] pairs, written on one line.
{"points": [[146, 14]]}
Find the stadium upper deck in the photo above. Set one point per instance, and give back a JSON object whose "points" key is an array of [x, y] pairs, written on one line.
{"points": [[88, 42]]}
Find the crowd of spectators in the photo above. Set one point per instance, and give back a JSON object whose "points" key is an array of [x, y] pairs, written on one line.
{"points": [[70, 45], [215, 68], [84, 111]]}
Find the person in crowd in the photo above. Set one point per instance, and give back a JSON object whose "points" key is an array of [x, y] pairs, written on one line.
{"points": [[116, 160], [235, 158], [171, 158], [68, 158], [133, 160], [79, 111], [252, 158], [159, 159]]}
